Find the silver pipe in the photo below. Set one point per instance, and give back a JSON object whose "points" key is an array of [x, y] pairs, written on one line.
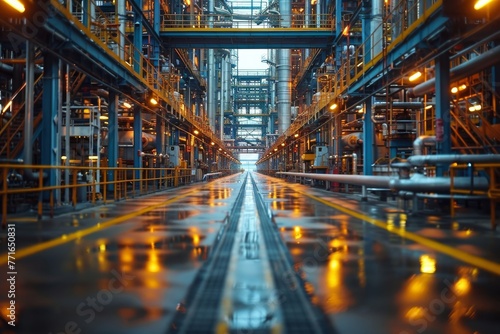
{"points": [[212, 84], [284, 87], [423, 184], [417, 183], [420, 160], [211, 89], [122, 13], [284, 70], [360, 180], [376, 27], [419, 143], [487, 59]]}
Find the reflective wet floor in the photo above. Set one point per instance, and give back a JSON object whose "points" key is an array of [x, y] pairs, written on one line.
{"points": [[147, 265]]}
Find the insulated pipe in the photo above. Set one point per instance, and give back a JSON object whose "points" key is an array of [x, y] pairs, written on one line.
{"points": [[376, 27], [211, 84], [419, 143], [420, 183], [417, 183], [284, 70], [487, 59], [420, 160], [360, 180], [284, 88]]}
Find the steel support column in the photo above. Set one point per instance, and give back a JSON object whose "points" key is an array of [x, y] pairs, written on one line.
{"points": [[443, 119], [51, 104]]}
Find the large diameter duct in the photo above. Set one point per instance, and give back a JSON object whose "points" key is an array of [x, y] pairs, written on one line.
{"points": [[284, 88], [284, 70], [211, 89], [479, 63], [376, 27]]}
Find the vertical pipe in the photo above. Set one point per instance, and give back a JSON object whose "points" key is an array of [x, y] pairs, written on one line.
{"points": [[307, 18], [122, 19], [112, 137], [211, 74], [368, 139], [376, 27], [284, 73], [29, 104], [443, 122]]}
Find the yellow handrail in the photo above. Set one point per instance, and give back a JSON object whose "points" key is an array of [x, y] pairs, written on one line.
{"points": [[86, 184]]}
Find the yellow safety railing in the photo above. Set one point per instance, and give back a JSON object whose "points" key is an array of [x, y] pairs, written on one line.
{"points": [[492, 170], [26, 184], [109, 32], [264, 21], [396, 25]]}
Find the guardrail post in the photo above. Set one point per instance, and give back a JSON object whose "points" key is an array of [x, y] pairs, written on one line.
{"points": [[176, 177]]}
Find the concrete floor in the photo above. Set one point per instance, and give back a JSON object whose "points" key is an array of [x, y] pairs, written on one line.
{"points": [[127, 267]]}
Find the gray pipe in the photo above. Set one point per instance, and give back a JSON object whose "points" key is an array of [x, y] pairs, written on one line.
{"points": [[360, 180], [284, 69], [376, 27], [29, 112], [419, 143], [487, 59], [417, 183], [29, 104], [284, 87], [420, 160], [423, 184]]}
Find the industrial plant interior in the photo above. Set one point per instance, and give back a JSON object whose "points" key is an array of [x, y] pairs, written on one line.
{"points": [[157, 179]]}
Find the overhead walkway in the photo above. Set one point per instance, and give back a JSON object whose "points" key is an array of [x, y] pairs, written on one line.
{"points": [[239, 32]]}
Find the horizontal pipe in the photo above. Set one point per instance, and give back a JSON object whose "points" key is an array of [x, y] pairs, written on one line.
{"points": [[417, 183], [420, 160], [360, 180]]}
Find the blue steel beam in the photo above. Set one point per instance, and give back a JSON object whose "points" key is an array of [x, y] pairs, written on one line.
{"points": [[276, 38], [86, 48], [427, 30]]}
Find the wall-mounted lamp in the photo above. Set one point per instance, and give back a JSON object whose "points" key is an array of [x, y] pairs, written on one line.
{"points": [[196, 132], [415, 76], [333, 106], [481, 3], [17, 5], [126, 105], [153, 101]]}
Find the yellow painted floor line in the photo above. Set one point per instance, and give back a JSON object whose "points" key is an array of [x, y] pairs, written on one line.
{"points": [[30, 250], [460, 255]]}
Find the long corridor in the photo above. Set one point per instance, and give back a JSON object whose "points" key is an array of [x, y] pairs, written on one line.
{"points": [[249, 253]]}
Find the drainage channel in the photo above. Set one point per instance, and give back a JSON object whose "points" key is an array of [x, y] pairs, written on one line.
{"points": [[249, 284], [298, 313]]}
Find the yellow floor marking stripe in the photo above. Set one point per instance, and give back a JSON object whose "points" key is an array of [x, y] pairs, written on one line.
{"points": [[30, 250], [460, 255]]}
